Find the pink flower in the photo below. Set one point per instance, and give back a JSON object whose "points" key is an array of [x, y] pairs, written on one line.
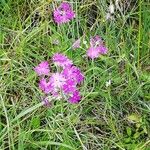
{"points": [[61, 60], [96, 41], [93, 52], [74, 73], [63, 13], [57, 81], [97, 47], [45, 86], [69, 86], [75, 98], [103, 49], [76, 44], [62, 83], [42, 68]]}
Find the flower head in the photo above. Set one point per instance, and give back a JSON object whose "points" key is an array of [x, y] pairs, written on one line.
{"points": [[42, 68], [75, 98], [74, 73], [69, 86], [96, 41], [61, 60], [93, 52], [102, 49], [97, 47], [45, 86], [63, 13], [57, 80]]}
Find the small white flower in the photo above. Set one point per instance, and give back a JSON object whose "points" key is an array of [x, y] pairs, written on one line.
{"points": [[108, 16], [85, 43], [117, 4], [111, 8], [108, 83]]}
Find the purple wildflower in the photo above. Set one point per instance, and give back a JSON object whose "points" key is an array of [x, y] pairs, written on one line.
{"points": [[73, 73], [69, 86], [97, 47], [63, 13], [45, 86], [61, 84], [62, 60], [75, 98], [42, 68], [103, 49], [96, 41], [57, 81], [93, 52]]}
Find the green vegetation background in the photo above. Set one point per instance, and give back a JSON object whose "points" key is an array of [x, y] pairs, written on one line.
{"points": [[116, 117]]}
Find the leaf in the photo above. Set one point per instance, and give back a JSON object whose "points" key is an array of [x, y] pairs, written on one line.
{"points": [[127, 140], [135, 118], [35, 122], [136, 135], [129, 131], [27, 111]]}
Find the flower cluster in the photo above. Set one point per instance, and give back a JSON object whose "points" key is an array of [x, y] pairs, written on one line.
{"points": [[97, 47], [63, 83], [63, 13]]}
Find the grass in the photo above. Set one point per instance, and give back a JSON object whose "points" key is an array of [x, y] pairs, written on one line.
{"points": [[116, 117]]}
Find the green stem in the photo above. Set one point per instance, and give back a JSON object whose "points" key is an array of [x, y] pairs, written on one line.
{"points": [[139, 33]]}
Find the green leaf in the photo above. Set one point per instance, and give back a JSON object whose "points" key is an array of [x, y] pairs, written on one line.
{"points": [[136, 135], [35, 122], [127, 140], [129, 131], [134, 118]]}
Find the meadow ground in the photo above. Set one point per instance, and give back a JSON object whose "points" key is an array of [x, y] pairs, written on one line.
{"points": [[114, 113]]}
